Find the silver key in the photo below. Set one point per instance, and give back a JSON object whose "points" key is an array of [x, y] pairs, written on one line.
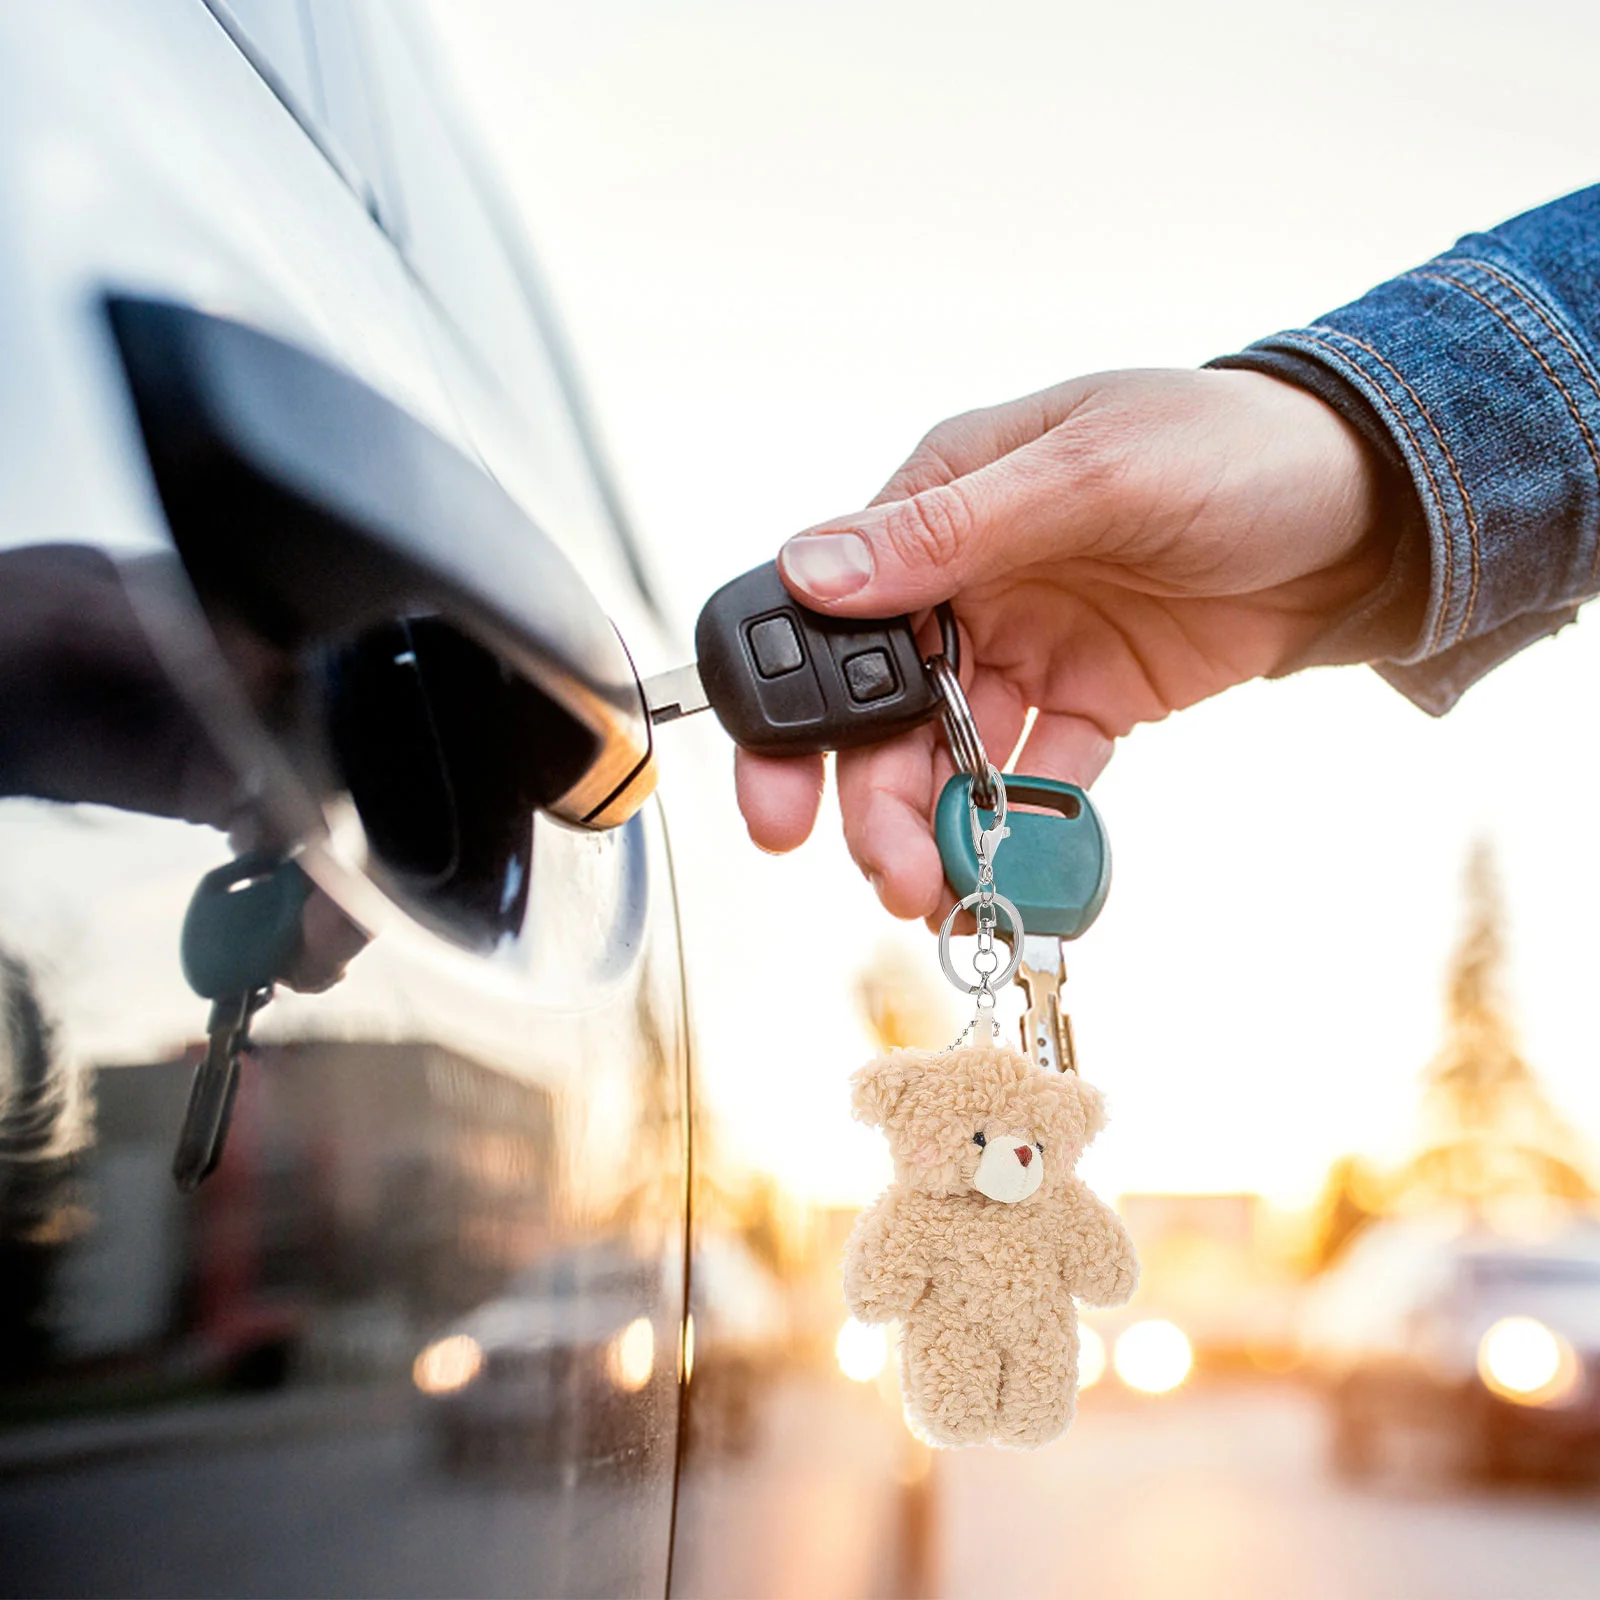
{"points": [[216, 1081], [1046, 1027], [670, 695]]}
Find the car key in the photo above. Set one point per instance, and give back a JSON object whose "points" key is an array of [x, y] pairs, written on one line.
{"points": [[1057, 871], [785, 680], [1046, 1027], [241, 931], [211, 1095]]}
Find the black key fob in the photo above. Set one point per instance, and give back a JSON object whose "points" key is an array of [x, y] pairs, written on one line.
{"points": [[785, 681]]}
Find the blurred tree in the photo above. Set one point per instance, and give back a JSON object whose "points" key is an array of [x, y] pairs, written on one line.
{"points": [[1489, 1133], [1352, 1195], [900, 1003], [773, 1225]]}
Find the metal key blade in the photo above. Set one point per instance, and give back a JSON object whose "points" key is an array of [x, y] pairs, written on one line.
{"points": [[671, 695], [216, 1081], [1046, 1028]]}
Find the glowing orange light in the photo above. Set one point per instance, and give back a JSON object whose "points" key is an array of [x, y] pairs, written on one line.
{"points": [[1091, 1357], [1153, 1357], [1521, 1360], [632, 1356], [448, 1364], [862, 1352]]}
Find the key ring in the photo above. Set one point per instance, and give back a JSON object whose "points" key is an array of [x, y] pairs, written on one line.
{"points": [[961, 729], [988, 982]]}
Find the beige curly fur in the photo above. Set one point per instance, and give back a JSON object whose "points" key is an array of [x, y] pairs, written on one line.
{"points": [[984, 1288]]}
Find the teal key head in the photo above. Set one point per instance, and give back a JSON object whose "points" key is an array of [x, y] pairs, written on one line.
{"points": [[1055, 865], [242, 929]]}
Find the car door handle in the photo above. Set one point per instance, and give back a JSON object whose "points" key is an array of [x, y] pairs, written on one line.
{"points": [[322, 509]]}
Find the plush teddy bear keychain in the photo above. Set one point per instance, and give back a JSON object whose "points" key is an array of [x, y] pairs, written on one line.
{"points": [[986, 1236], [983, 1240]]}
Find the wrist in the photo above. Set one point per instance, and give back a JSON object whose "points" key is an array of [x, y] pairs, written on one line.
{"points": [[1366, 600]]}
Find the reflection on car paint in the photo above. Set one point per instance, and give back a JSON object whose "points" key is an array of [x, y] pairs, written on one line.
{"points": [[436, 1140]]}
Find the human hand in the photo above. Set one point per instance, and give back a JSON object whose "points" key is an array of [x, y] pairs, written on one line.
{"points": [[1114, 549]]}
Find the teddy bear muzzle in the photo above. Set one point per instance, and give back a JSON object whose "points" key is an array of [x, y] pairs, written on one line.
{"points": [[1010, 1169]]}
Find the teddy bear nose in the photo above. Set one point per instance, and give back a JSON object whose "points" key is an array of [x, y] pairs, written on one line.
{"points": [[1024, 1153]]}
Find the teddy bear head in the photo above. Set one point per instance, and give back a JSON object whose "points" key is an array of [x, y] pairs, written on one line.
{"points": [[983, 1119]]}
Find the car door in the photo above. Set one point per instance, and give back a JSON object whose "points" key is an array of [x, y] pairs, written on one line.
{"points": [[421, 1332]]}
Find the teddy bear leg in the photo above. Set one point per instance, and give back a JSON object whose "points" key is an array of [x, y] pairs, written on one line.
{"points": [[1038, 1387], [950, 1376]]}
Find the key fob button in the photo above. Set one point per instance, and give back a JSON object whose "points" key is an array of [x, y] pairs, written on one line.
{"points": [[784, 680], [869, 676], [775, 646]]}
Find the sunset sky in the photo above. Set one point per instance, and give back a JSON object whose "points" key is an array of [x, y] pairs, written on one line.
{"points": [[789, 239]]}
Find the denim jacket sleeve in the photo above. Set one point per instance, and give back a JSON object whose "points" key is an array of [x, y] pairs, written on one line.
{"points": [[1483, 367]]}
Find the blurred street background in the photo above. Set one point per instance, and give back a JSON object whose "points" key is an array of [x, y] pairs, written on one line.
{"points": [[1226, 1495]]}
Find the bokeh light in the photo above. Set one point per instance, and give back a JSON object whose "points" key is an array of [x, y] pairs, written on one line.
{"points": [[1153, 1356], [1520, 1359], [862, 1352], [448, 1364], [632, 1357], [1091, 1357]]}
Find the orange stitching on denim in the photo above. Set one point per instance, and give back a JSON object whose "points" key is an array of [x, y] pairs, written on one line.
{"points": [[1549, 372], [1579, 361], [1433, 483], [1455, 472]]}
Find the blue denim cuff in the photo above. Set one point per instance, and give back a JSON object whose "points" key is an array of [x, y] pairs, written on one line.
{"points": [[1485, 375], [1437, 682]]}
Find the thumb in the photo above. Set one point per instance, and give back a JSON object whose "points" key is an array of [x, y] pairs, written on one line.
{"points": [[905, 555]]}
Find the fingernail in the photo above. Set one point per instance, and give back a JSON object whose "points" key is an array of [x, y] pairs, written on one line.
{"points": [[828, 566]]}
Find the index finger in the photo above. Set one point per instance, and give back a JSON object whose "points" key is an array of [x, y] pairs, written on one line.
{"points": [[887, 795]]}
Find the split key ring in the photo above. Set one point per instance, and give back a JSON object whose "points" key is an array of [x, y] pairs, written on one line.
{"points": [[961, 729], [986, 981]]}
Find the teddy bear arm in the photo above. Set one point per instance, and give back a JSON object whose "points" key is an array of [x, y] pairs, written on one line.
{"points": [[885, 1273], [1102, 1266]]}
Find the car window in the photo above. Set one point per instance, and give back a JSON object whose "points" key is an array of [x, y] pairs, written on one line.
{"points": [[307, 52], [449, 238], [1494, 1273], [277, 34], [497, 344], [338, 43]]}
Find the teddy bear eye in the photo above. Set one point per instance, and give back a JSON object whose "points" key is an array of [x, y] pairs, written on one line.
{"points": [[979, 1140], [1038, 1144]]}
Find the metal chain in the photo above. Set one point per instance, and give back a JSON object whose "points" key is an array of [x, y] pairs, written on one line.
{"points": [[987, 904], [984, 961], [961, 1038], [986, 791]]}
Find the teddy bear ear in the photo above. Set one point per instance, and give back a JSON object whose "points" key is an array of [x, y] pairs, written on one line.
{"points": [[876, 1089]]}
